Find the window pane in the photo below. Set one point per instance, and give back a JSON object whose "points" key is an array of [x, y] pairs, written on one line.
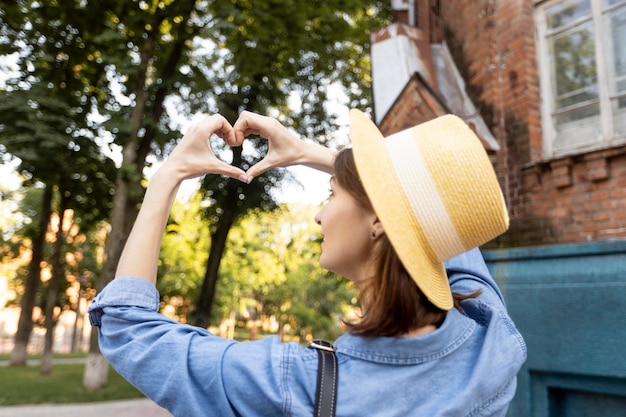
{"points": [[577, 128], [566, 12], [608, 3], [578, 114], [615, 22], [573, 66], [619, 115]]}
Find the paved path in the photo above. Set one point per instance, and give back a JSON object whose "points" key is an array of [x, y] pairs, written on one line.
{"points": [[127, 408]]}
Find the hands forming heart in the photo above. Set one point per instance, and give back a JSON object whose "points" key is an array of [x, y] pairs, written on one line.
{"points": [[194, 157]]}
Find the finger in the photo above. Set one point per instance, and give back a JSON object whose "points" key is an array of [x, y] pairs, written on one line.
{"points": [[230, 171], [240, 128], [249, 123], [232, 139], [260, 167], [214, 124], [239, 136], [224, 130]]}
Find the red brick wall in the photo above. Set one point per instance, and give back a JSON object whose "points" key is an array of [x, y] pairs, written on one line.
{"points": [[579, 198], [575, 199], [414, 106]]}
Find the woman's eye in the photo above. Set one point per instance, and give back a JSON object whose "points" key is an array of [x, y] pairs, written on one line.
{"points": [[330, 194]]}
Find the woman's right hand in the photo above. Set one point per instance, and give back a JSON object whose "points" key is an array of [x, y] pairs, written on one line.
{"points": [[285, 148], [193, 156]]}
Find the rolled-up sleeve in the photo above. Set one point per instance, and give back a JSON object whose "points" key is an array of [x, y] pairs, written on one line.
{"points": [[468, 272], [164, 359], [132, 292]]}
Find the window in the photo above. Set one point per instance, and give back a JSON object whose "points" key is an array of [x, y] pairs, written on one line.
{"points": [[582, 57]]}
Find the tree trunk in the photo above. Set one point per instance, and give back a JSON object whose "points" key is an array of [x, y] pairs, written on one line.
{"points": [[123, 214], [79, 322], [52, 293], [121, 217], [96, 366], [124, 208], [25, 323], [202, 314]]}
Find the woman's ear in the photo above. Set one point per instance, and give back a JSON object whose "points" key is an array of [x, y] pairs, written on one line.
{"points": [[377, 229]]}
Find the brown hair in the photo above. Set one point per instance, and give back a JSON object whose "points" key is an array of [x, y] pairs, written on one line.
{"points": [[391, 302]]}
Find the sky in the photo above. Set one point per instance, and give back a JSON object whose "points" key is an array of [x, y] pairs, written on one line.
{"points": [[314, 186]]}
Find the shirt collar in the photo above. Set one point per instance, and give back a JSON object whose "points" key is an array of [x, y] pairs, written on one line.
{"points": [[453, 332]]}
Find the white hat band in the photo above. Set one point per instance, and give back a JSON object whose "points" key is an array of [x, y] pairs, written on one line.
{"points": [[423, 197]]}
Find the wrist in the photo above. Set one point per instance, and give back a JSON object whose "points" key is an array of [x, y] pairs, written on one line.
{"points": [[317, 156], [166, 177]]}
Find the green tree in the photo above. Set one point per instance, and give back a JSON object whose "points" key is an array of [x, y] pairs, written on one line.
{"points": [[133, 57], [312, 300], [183, 256], [271, 269], [128, 54], [51, 299], [44, 123], [274, 50], [251, 264]]}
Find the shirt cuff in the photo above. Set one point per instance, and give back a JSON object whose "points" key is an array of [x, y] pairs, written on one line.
{"points": [[124, 291]]}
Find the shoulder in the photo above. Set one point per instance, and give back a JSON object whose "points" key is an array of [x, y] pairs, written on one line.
{"points": [[269, 358], [270, 375], [497, 345]]}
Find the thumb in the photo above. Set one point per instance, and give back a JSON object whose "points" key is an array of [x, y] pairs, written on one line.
{"points": [[259, 168], [232, 172]]}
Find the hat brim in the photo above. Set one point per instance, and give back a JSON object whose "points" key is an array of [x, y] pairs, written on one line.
{"points": [[377, 174]]}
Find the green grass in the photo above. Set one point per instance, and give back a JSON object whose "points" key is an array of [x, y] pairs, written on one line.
{"points": [[25, 385]]}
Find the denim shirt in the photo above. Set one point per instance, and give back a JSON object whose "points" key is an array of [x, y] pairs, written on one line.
{"points": [[467, 367]]}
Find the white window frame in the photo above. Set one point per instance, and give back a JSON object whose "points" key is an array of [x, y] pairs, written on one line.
{"points": [[601, 138]]}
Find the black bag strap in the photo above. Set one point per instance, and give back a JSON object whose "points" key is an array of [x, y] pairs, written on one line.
{"points": [[327, 372]]}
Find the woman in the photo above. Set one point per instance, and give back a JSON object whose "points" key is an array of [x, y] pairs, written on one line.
{"points": [[400, 206]]}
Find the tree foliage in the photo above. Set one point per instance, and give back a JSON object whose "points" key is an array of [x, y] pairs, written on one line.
{"points": [[106, 76], [44, 123], [271, 269], [183, 256], [273, 53]]}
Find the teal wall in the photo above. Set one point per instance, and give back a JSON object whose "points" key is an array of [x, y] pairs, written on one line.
{"points": [[569, 303]]}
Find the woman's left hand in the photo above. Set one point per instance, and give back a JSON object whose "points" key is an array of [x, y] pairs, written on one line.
{"points": [[194, 157]]}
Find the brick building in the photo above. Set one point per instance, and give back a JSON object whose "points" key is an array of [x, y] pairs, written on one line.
{"points": [[544, 85]]}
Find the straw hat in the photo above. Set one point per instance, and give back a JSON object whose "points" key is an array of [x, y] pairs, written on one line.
{"points": [[435, 192]]}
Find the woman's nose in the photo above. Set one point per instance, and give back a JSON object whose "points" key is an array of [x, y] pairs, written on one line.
{"points": [[318, 219]]}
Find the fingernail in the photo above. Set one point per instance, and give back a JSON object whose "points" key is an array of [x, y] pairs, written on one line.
{"points": [[243, 178], [250, 179]]}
